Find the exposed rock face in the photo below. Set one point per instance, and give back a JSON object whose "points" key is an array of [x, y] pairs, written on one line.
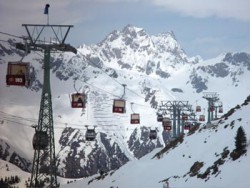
{"points": [[84, 158], [8, 153]]}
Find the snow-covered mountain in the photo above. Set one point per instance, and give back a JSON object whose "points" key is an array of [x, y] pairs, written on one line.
{"points": [[201, 158], [154, 68]]}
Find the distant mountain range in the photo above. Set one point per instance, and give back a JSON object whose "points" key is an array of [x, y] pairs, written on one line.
{"points": [[154, 68]]}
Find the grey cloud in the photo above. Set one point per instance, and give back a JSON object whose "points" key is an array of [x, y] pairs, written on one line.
{"points": [[236, 9]]}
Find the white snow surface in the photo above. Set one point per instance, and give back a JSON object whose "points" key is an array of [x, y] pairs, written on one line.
{"points": [[204, 145]]}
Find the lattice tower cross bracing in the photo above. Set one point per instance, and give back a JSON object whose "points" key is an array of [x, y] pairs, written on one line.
{"points": [[175, 108]]}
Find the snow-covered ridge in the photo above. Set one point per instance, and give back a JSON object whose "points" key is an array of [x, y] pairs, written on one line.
{"points": [[154, 68]]}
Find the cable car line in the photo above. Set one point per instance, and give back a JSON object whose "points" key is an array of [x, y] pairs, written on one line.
{"points": [[18, 117], [15, 119], [6, 119], [4, 41], [11, 35], [83, 81], [99, 88], [89, 132], [121, 103], [88, 59], [59, 127], [25, 38], [110, 92], [136, 93]]}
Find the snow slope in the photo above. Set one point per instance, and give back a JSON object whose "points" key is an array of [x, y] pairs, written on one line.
{"points": [[205, 145]]}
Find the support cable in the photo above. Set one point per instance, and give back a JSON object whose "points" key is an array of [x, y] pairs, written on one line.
{"points": [[11, 35], [89, 60]]}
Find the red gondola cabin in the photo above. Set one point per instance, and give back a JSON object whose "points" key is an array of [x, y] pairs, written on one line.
{"points": [[184, 116], [119, 106], [198, 108], [135, 119], [78, 100], [202, 118], [17, 74], [211, 109], [167, 124], [187, 125]]}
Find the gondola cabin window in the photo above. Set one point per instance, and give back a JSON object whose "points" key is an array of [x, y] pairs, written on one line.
{"points": [[167, 127], [17, 74], [135, 119], [119, 106], [78, 100]]}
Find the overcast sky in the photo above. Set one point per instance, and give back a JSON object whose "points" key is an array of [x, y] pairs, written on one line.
{"points": [[202, 27]]}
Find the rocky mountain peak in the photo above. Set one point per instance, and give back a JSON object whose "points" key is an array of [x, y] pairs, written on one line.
{"points": [[110, 38], [168, 43], [133, 32], [238, 58], [133, 48]]}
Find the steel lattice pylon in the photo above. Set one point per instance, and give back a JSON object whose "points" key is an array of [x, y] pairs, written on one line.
{"points": [[44, 169], [175, 108], [211, 97], [44, 162]]}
